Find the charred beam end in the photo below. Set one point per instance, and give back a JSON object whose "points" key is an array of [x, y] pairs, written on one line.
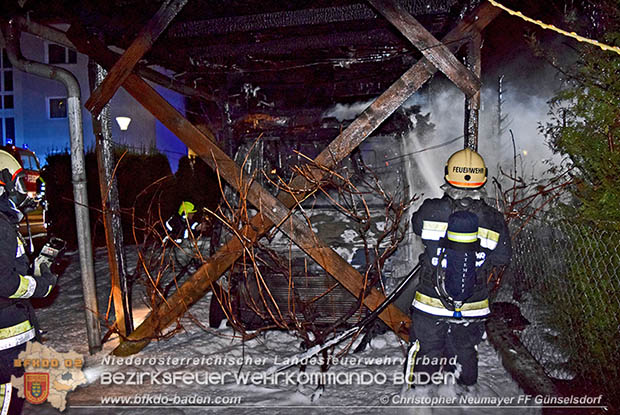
{"points": [[124, 66]]}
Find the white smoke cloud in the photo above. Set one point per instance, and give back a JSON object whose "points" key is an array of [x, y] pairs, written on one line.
{"points": [[347, 111], [446, 108], [524, 111]]}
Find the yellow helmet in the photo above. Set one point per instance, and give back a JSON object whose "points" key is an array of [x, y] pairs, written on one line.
{"points": [[465, 169], [186, 208]]}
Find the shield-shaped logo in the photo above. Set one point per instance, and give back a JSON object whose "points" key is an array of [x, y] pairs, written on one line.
{"points": [[37, 387]]}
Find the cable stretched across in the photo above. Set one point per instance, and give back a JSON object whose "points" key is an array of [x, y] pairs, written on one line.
{"points": [[555, 29]]}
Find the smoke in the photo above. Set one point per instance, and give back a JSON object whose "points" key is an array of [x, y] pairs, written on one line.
{"points": [[425, 153], [346, 111]]}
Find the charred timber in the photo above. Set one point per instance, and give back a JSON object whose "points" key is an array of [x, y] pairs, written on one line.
{"points": [[290, 18], [288, 45], [433, 50], [271, 211]]}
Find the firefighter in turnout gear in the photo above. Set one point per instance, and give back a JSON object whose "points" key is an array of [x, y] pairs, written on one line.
{"points": [[464, 238], [183, 231], [179, 225], [18, 282]]}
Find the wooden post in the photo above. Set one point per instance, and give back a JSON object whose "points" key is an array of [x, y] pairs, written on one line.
{"points": [[125, 65], [435, 51], [472, 104], [111, 212]]}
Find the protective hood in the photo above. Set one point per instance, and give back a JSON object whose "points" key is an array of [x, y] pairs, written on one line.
{"points": [[9, 209]]}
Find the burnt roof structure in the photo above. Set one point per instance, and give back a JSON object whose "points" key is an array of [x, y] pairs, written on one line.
{"points": [[277, 57]]}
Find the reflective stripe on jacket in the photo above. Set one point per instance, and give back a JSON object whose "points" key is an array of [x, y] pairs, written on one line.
{"points": [[430, 222], [434, 306]]}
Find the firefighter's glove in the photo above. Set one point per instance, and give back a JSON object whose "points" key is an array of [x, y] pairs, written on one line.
{"points": [[46, 280], [39, 262]]}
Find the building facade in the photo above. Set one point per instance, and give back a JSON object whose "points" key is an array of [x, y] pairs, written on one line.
{"points": [[33, 110]]}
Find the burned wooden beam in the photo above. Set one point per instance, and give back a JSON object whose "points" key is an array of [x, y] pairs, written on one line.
{"points": [[295, 18], [472, 104], [432, 49], [125, 65], [202, 54], [106, 58], [200, 283], [111, 211]]}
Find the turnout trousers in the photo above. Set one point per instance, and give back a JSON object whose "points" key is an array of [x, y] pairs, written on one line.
{"points": [[436, 340]]}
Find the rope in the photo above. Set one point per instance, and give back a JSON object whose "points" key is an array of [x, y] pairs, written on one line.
{"points": [[555, 29]]}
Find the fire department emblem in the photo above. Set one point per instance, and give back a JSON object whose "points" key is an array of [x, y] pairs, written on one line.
{"points": [[37, 387]]}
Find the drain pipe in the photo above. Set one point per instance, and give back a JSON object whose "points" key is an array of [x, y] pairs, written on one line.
{"points": [[74, 114]]}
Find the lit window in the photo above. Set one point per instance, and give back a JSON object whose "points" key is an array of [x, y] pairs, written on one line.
{"points": [[57, 54], [57, 108]]}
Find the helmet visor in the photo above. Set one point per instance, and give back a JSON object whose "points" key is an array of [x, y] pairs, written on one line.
{"points": [[19, 182], [18, 193]]}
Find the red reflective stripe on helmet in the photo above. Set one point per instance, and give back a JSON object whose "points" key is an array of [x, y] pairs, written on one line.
{"points": [[466, 184], [16, 173]]}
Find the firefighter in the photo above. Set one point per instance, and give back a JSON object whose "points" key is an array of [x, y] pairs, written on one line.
{"points": [[183, 229], [180, 224], [18, 283], [464, 238]]}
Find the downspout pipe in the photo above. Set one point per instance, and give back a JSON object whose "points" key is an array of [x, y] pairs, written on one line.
{"points": [[78, 170]]}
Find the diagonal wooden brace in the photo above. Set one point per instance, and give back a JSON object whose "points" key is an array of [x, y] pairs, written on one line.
{"points": [[432, 49], [200, 283], [125, 65], [269, 207]]}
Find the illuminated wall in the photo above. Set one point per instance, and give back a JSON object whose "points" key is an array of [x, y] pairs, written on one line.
{"points": [[39, 119]]}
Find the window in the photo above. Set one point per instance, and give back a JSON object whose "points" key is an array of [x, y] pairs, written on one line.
{"points": [[57, 107], [7, 103], [8, 81], [9, 129], [29, 162], [57, 54]]}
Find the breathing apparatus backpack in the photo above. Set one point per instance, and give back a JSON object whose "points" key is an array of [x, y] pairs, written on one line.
{"points": [[456, 269]]}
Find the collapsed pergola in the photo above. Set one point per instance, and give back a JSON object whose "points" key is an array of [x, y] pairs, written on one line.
{"points": [[277, 210]]}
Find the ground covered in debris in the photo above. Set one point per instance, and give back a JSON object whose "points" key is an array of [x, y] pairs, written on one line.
{"points": [[217, 372]]}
